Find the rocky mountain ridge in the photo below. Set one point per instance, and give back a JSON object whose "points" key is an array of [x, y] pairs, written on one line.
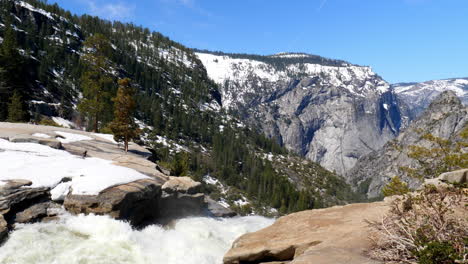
{"points": [[446, 117], [418, 96], [330, 112]]}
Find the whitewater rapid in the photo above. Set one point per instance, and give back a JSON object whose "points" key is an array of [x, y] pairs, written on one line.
{"points": [[95, 239]]}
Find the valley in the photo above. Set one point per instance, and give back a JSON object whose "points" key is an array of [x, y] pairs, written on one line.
{"points": [[120, 145]]}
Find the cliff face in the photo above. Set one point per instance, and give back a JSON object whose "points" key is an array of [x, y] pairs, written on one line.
{"points": [[329, 111], [445, 118]]}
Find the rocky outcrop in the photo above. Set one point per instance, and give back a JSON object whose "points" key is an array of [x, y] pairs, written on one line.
{"points": [[326, 236], [452, 177], [53, 143], [458, 177], [181, 196], [135, 202], [21, 204], [14, 198], [144, 201], [217, 210], [446, 117], [329, 111]]}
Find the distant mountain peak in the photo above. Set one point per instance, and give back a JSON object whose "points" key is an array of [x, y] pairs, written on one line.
{"points": [[418, 96]]}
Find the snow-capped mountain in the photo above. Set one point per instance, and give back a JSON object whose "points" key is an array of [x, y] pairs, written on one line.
{"points": [[418, 96], [330, 111]]}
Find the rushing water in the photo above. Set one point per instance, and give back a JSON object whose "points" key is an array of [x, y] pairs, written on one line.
{"points": [[101, 240]]}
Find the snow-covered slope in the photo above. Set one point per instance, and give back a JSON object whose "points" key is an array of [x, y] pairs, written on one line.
{"points": [[29, 161], [245, 76], [330, 111], [418, 96]]}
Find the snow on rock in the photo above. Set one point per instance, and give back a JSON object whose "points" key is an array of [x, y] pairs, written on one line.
{"points": [[71, 137], [170, 144], [223, 203], [427, 91], [63, 122], [210, 180], [107, 137], [223, 68], [41, 135], [241, 202], [46, 167], [37, 10]]}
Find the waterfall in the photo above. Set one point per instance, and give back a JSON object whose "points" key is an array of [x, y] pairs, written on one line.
{"points": [[101, 240]]}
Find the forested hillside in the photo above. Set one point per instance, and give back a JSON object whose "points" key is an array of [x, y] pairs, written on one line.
{"points": [[44, 69]]}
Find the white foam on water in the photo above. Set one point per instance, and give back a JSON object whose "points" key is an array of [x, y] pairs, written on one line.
{"points": [[100, 240]]}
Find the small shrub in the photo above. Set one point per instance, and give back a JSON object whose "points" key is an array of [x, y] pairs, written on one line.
{"points": [[437, 253], [48, 122], [395, 187], [106, 129], [429, 226]]}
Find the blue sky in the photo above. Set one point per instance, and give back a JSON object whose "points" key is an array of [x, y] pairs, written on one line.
{"points": [[402, 40]]}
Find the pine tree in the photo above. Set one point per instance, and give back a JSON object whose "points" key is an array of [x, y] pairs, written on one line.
{"points": [[95, 80], [123, 126], [3, 95], [12, 73], [395, 187], [15, 109], [179, 166]]}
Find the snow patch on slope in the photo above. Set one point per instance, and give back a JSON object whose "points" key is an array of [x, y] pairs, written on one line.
{"points": [[37, 10], [63, 122], [70, 137], [46, 167]]}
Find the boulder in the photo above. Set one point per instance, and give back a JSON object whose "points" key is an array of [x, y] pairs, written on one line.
{"points": [[181, 197], [53, 143], [19, 202], [14, 198], [333, 235], [458, 177], [181, 185], [136, 202], [447, 178], [217, 210], [35, 213]]}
